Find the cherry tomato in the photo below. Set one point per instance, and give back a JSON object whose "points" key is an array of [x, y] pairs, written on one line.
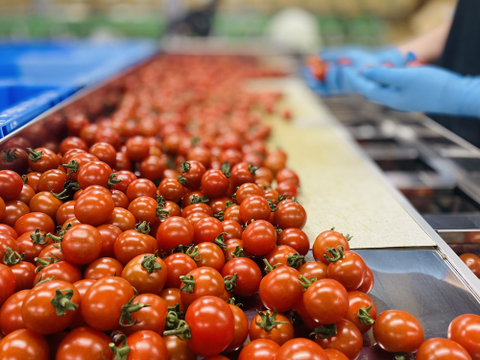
{"points": [[14, 210], [278, 328], [334, 354], [42, 159], [102, 303], [82, 244], [254, 208], [141, 187], [361, 318], [65, 212], [173, 296], [326, 301], [281, 289], [473, 262], [151, 317], [171, 190], [465, 330], [296, 239], [144, 209], [398, 331], [24, 344], [328, 239], [84, 343], [131, 243], [284, 255], [210, 255], [174, 231], [24, 273], [147, 273], [297, 349], [94, 173], [206, 230], [94, 207], [178, 349], [211, 324], [104, 152], [259, 349], [368, 282], [177, 265], [208, 281], [347, 339], [214, 183], [442, 349], [61, 270], [7, 283], [349, 270], [45, 308], [33, 221], [109, 233], [315, 269], [259, 237], [198, 207], [232, 229], [101, 267], [248, 274], [11, 313], [241, 329], [247, 190]]}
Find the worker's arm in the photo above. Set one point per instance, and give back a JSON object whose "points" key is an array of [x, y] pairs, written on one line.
{"points": [[425, 88], [428, 47]]}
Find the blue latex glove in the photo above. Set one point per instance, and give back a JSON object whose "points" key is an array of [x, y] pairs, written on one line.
{"points": [[425, 88], [332, 85], [361, 57]]}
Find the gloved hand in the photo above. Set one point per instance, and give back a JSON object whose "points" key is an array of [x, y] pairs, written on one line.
{"points": [[361, 57], [425, 88], [353, 56]]}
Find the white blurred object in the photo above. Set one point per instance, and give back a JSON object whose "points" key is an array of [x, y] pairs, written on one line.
{"points": [[296, 29]]}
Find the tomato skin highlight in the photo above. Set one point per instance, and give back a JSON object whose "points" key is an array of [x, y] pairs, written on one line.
{"points": [[300, 349], [259, 349], [326, 301], [398, 331], [212, 325], [281, 289], [84, 343]]}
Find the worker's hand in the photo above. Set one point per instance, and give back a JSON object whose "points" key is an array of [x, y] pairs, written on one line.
{"points": [[331, 85], [361, 57], [425, 88]]}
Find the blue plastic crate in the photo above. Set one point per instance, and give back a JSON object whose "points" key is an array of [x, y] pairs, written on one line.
{"points": [[34, 76]]}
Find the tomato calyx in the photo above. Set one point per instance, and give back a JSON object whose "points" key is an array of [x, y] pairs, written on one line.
{"points": [[268, 267], [281, 198], [306, 282], [161, 212], [219, 241], [336, 253], [232, 300], [11, 257], [150, 264], [41, 281], [219, 215], [325, 331], [39, 239], [62, 301], [128, 309], [226, 169], [182, 331], [9, 155], [238, 252], [268, 320], [72, 166], [228, 204], [185, 166], [142, 227], [252, 169], [69, 187], [25, 179], [195, 199], [194, 253], [182, 180], [195, 141], [189, 282], [244, 226], [113, 181], [174, 316], [364, 315], [295, 260], [34, 155], [230, 282], [45, 261], [403, 356], [273, 206], [61, 232], [120, 352]]}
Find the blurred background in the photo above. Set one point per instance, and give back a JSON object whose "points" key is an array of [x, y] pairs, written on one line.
{"points": [[369, 22]]}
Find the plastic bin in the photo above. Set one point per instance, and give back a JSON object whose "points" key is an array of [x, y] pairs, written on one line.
{"points": [[34, 76]]}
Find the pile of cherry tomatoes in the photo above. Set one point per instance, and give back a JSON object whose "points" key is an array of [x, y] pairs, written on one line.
{"points": [[139, 234]]}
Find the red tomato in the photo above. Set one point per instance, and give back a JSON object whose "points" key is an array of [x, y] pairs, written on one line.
{"points": [[24, 344], [144, 208], [174, 231], [442, 349], [232, 229], [271, 326], [299, 349], [326, 301], [205, 281], [259, 349], [171, 190], [247, 190], [94, 207], [7, 283], [334, 354], [207, 230], [259, 237], [349, 270], [141, 187], [50, 307], [177, 265], [61, 270], [241, 329], [104, 152], [11, 313], [178, 349], [359, 311], [398, 331], [214, 183], [368, 282], [33, 221], [295, 238], [109, 234], [210, 255], [131, 243], [84, 343], [14, 210], [82, 244], [248, 274], [254, 208], [315, 269], [147, 273], [347, 340], [473, 262], [24, 273], [290, 214], [328, 239], [101, 267], [465, 330], [107, 293], [281, 289], [284, 255], [210, 334], [151, 317]]}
